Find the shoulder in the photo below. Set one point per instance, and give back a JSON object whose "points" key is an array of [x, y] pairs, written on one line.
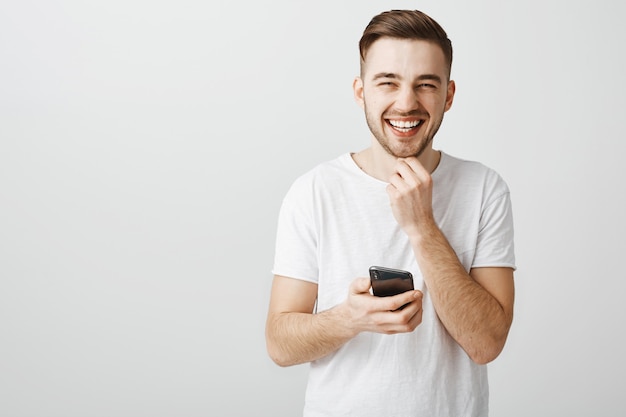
{"points": [[323, 173], [455, 165], [470, 175], [323, 176]]}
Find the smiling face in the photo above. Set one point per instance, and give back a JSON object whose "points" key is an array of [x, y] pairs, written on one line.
{"points": [[404, 90]]}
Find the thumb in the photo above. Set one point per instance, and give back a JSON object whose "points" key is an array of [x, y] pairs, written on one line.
{"points": [[360, 285]]}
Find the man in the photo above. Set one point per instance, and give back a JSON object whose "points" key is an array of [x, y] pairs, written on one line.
{"points": [[401, 204]]}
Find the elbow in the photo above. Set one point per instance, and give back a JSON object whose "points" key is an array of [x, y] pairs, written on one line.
{"points": [[281, 363], [491, 345], [278, 357], [277, 354], [485, 356], [275, 347], [487, 352]]}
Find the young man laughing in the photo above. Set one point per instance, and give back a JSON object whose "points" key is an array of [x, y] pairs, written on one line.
{"points": [[398, 203]]}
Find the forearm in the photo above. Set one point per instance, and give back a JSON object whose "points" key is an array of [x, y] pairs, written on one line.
{"points": [[294, 338], [472, 316]]}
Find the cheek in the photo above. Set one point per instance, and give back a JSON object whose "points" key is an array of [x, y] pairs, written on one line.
{"points": [[435, 104], [378, 105]]}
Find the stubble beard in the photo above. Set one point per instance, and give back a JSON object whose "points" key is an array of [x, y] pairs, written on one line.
{"points": [[382, 139]]}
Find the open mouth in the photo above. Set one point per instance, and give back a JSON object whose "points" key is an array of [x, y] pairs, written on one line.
{"points": [[405, 126]]}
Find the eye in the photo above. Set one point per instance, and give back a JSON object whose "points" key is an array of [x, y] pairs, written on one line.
{"points": [[426, 86], [386, 86]]}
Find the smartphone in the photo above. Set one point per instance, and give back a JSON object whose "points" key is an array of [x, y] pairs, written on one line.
{"points": [[389, 281]]}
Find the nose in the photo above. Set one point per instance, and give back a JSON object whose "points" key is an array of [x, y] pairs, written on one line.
{"points": [[407, 100]]}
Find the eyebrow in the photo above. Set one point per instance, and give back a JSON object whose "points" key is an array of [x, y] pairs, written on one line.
{"points": [[385, 75], [391, 75]]}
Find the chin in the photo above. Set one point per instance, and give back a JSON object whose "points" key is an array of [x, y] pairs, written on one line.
{"points": [[407, 152], [404, 148]]}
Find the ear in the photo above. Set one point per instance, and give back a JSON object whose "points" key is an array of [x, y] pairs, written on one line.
{"points": [[450, 94], [357, 88]]}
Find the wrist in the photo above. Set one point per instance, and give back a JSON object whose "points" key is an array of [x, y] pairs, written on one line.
{"points": [[341, 320], [422, 233], [349, 321]]}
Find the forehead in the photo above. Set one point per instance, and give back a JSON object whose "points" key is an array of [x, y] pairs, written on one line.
{"points": [[407, 57]]}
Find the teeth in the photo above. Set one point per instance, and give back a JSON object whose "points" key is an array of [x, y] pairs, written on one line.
{"points": [[404, 125]]}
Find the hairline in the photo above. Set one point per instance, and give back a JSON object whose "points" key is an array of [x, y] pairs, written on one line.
{"points": [[363, 57]]}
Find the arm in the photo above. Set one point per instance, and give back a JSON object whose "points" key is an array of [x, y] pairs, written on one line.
{"points": [[294, 334], [475, 308]]}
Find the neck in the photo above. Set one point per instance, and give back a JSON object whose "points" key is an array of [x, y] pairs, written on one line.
{"points": [[380, 164]]}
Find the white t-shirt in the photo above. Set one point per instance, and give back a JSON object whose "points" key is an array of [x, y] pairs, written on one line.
{"points": [[335, 222]]}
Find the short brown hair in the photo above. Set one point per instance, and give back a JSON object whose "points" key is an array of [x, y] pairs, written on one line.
{"points": [[405, 24]]}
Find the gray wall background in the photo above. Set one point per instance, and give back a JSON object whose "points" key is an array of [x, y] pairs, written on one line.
{"points": [[145, 148]]}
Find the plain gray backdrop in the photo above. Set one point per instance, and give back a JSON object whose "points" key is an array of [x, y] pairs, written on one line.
{"points": [[145, 147]]}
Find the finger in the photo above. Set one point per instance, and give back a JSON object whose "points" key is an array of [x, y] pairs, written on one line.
{"points": [[417, 168], [397, 182], [404, 177], [410, 315], [360, 285], [398, 301], [399, 320], [411, 296], [403, 169], [416, 320]]}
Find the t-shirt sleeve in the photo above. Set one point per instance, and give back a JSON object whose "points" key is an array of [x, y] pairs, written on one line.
{"points": [[296, 236], [495, 243]]}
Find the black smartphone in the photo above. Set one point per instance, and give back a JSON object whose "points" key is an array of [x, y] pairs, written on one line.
{"points": [[389, 281]]}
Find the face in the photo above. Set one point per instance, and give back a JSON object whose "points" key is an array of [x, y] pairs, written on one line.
{"points": [[404, 90]]}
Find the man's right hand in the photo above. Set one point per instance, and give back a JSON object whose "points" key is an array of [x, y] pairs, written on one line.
{"points": [[295, 335], [368, 312]]}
